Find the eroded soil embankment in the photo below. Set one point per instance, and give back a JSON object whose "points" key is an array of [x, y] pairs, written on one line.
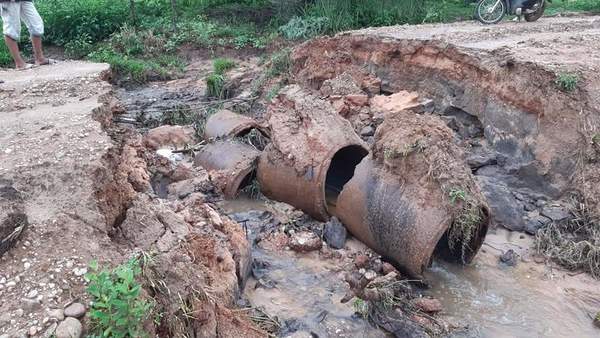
{"points": [[82, 184], [523, 134]]}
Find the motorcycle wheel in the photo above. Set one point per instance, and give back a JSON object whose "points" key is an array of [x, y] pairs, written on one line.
{"points": [[531, 17], [490, 11]]}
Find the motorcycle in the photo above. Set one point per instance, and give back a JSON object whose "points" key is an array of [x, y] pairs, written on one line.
{"points": [[492, 11]]}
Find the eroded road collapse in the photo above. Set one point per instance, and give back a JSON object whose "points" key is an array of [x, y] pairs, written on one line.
{"points": [[416, 147]]}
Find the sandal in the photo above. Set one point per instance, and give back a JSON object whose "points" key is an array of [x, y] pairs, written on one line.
{"points": [[47, 62], [27, 66]]}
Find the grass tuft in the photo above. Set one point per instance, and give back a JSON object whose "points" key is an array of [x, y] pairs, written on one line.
{"points": [[567, 81]]}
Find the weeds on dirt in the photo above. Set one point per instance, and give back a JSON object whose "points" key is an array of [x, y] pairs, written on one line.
{"points": [[303, 28], [280, 63], [361, 307], [466, 221], [574, 244], [262, 319], [222, 65], [567, 81], [215, 85], [117, 309]]}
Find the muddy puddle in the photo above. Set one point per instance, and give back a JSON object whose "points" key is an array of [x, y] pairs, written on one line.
{"points": [[528, 300], [302, 290]]}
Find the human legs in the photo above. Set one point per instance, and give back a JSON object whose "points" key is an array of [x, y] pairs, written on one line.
{"points": [[11, 28], [35, 25]]}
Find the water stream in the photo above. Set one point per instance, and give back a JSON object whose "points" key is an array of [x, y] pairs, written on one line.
{"points": [[492, 299]]}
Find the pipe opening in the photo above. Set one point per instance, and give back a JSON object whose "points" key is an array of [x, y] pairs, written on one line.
{"points": [[457, 254], [340, 171]]}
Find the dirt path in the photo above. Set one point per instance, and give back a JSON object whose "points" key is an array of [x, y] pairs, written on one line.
{"points": [[51, 151]]}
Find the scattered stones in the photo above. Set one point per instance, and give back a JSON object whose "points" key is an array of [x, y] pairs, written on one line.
{"points": [[69, 328], [477, 161], [506, 210], [57, 314], [360, 100], [75, 310], [429, 305], [510, 258], [367, 131], [305, 241], [32, 294], [335, 233], [361, 261]]}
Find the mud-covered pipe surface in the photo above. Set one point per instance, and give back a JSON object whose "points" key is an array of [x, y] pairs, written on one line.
{"points": [[225, 124], [312, 155], [231, 165]]}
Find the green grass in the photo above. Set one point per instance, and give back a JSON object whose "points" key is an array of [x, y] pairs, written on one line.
{"points": [[117, 308], [567, 81], [222, 65], [5, 58]]}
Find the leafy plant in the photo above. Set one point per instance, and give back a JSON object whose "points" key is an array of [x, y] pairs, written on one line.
{"points": [[457, 194], [117, 309], [79, 47], [303, 28], [567, 81], [596, 139], [361, 307], [5, 58]]}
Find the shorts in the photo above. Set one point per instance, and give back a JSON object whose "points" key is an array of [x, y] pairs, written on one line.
{"points": [[13, 12]]}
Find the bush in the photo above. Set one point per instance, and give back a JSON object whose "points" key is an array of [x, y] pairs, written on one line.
{"points": [[5, 58], [567, 81], [222, 65], [348, 14], [69, 20], [215, 84], [117, 309], [79, 48], [303, 28]]}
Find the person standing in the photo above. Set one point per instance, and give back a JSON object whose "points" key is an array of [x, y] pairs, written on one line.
{"points": [[12, 13]]}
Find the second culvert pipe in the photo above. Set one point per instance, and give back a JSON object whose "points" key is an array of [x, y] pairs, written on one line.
{"points": [[415, 197]]}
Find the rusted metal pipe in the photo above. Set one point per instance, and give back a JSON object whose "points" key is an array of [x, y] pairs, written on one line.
{"points": [[398, 201], [230, 164], [312, 155], [225, 123]]}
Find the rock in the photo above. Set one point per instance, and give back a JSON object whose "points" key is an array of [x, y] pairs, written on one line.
{"points": [[69, 328], [32, 294], [396, 102], [361, 261], [360, 100], [510, 258], [57, 314], [335, 233], [476, 161], [343, 84], [30, 305], [534, 222], [556, 213], [370, 275], [387, 268], [169, 137], [32, 331], [305, 241], [367, 131], [4, 319], [506, 210], [429, 305], [75, 310]]}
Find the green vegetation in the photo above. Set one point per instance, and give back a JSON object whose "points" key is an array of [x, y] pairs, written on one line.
{"points": [[361, 307], [567, 81], [457, 194], [117, 308], [222, 65], [131, 39]]}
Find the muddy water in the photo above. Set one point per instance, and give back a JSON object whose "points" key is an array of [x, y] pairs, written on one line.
{"points": [[529, 300], [302, 290]]}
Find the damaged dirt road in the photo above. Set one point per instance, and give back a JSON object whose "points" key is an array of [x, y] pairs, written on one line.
{"points": [[420, 139]]}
